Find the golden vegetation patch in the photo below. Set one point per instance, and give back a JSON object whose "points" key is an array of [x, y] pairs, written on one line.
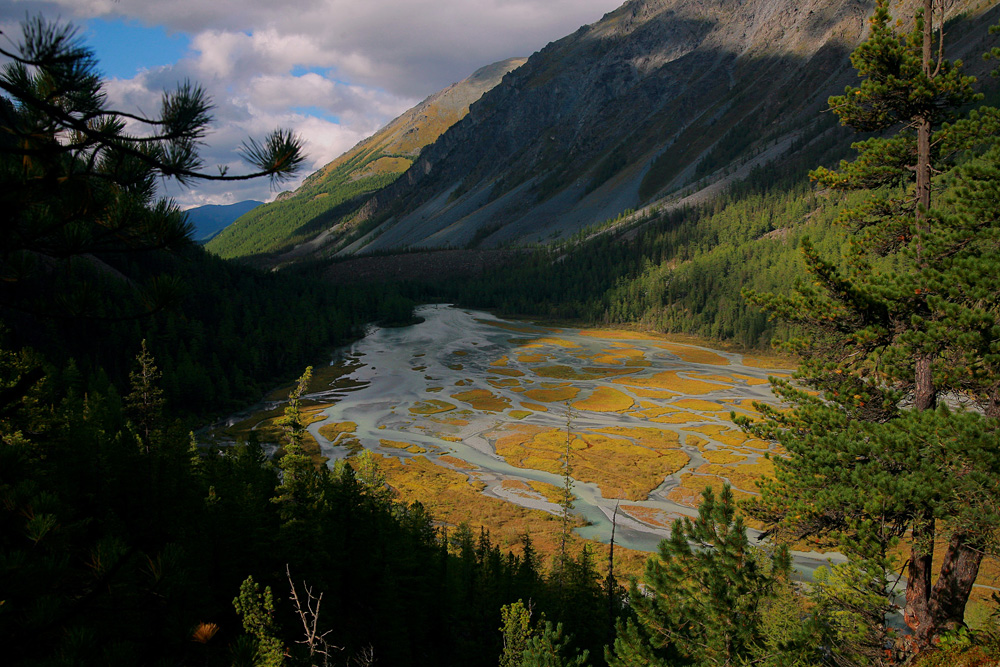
{"points": [[552, 395], [649, 515], [558, 342], [688, 492], [641, 392], [562, 373], [722, 456], [456, 367], [484, 400], [618, 466], [533, 358], [535, 407], [729, 436], [620, 334], [741, 476], [457, 462], [676, 418], [332, 431], [407, 446], [628, 356], [431, 407], [694, 355], [769, 361], [453, 499], [654, 438], [605, 399], [502, 361], [671, 381], [504, 383], [697, 405], [520, 414]]}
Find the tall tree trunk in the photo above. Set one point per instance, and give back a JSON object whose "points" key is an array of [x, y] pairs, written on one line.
{"points": [[917, 613], [959, 569]]}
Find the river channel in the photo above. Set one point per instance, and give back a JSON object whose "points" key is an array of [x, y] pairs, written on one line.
{"points": [[463, 385]]}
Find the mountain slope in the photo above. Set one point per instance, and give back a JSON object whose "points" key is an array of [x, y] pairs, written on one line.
{"points": [[660, 98], [338, 189], [211, 219]]}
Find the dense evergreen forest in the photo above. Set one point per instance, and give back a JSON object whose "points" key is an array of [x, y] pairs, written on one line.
{"points": [[124, 542]]}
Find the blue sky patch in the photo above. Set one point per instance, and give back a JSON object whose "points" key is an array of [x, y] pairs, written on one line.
{"points": [[123, 48]]}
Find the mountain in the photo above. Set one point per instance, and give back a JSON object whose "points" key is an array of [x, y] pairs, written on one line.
{"points": [[341, 187], [661, 101], [211, 219]]}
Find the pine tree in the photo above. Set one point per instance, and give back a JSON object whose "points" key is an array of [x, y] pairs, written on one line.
{"points": [[145, 399], [78, 179], [908, 315], [702, 594]]}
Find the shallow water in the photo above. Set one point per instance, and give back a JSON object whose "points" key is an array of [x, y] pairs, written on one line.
{"points": [[454, 350]]}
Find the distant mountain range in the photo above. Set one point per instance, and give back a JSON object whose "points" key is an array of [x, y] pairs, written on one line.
{"points": [[211, 219], [661, 102], [336, 192]]}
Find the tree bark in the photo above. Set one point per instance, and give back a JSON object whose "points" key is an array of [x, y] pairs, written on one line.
{"points": [[959, 569], [917, 613]]}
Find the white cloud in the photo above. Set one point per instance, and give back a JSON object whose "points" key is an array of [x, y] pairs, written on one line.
{"points": [[332, 70]]}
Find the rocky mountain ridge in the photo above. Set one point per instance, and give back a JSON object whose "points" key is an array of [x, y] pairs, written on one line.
{"points": [[340, 187], [659, 99]]}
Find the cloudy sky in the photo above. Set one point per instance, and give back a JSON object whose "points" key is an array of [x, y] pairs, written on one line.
{"points": [[334, 71]]}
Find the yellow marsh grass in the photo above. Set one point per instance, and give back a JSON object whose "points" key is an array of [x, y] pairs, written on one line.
{"points": [[605, 399], [450, 421], [618, 466], [504, 383], [750, 380], [649, 411], [729, 436], [697, 405], [502, 361], [693, 355], [534, 406], [460, 353], [676, 418], [453, 498], [520, 414], [433, 390], [620, 334], [552, 395], [722, 456], [654, 438], [532, 358], [648, 515], [743, 477], [671, 381], [483, 400], [431, 407], [410, 447], [628, 356], [558, 342], [769, 361], [563, 373], [688, 492], [332, 431], [457, 462], [641, 392]]}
